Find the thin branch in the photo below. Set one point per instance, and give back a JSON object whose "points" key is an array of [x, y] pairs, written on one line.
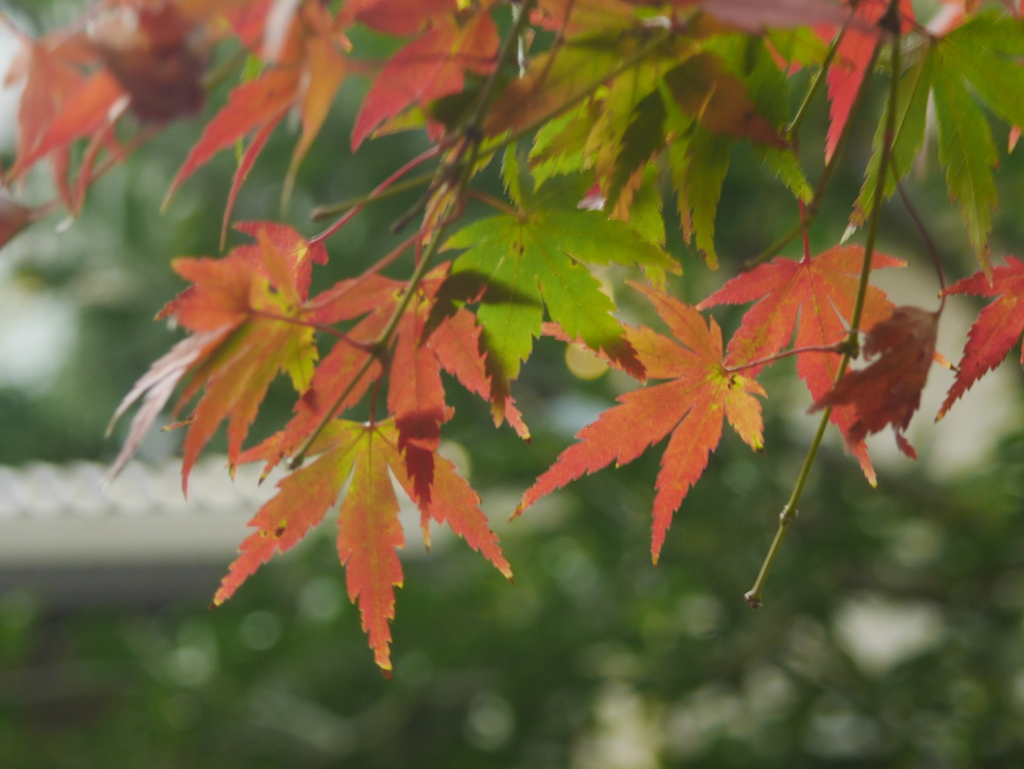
{"points": [[824, 180], [493, 202], [333, 209], [932, 250], [816, 81], [376, 192], [340, 336], [473, 135], [890, 22], [838, 348], [224, 70]]}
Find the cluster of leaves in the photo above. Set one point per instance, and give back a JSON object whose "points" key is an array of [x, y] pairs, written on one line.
{"points": [[618, 100]]}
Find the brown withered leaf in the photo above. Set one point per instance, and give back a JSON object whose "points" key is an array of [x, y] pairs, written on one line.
{"points": [[157, 55], [888, 392]]}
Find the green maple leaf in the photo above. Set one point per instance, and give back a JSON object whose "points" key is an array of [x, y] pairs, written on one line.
{"points": [[908, 139], [967, 152], [531, 262]]}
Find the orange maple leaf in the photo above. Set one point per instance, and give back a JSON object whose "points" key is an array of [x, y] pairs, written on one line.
{"points": [[415, 392], [815, 297], [691, 407], [369, 531], [888, 391], [249, 323]]}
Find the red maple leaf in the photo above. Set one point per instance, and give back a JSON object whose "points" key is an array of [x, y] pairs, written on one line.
{"points": [[429, 67], [415, 392], [851, 61], [755, 15], [398, 18], [888, 392], [61, 103], [369, 531], [691, 407], [815, 297], [306, 74], [997, 328]]}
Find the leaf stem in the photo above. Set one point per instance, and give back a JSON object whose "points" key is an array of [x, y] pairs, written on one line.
{"points": [[816, 81], [811, 211], [223, 71], [838, 348], [753, 596], [376, 193], [889, 22], [333, 209], [495, 203], [932, 250]]}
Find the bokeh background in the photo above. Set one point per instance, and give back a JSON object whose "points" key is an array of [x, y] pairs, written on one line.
{"points": [[893, 628]]}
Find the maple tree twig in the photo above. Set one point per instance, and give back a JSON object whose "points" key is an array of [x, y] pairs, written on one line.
{"points": [[825, 179], [339, 335], [816, 81], [376, 192], [789, 511], [473, 134], [838, 348], [932, 250], [333, 209]]}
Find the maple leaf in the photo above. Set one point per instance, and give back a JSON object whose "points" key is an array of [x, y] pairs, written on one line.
{"points": [[691, 407], [907, 140], [369, 531], [551, 80], [572, 16], [756, 16], [306, 73], [248, 324], [853, 55], [60, 104], [532, 261], [429, 67], [976, 57], [415, 392], [815, 298], [399, 18], [457, 341], [706, 108], [889, 390], [996, 329]]}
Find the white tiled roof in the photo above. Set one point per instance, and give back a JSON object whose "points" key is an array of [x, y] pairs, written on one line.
{"points": [[62, 514]]}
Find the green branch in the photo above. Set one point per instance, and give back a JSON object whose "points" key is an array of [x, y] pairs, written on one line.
{"points": [[789, 511]]}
